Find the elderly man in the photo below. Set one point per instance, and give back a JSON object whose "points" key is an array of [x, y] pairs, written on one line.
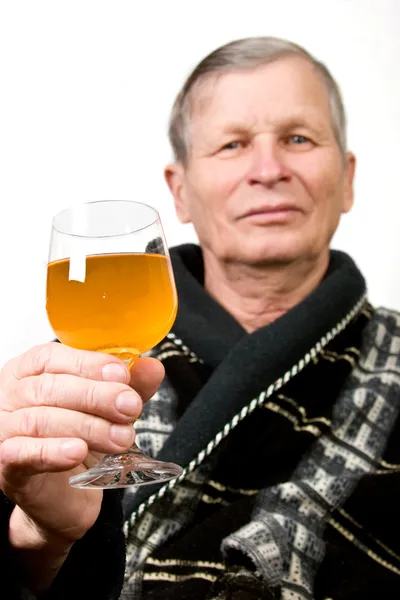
{"points": [[282, 384]]}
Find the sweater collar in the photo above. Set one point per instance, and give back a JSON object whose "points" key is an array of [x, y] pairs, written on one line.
{"points": [[245, 364], [211, 332], [207, 328]]}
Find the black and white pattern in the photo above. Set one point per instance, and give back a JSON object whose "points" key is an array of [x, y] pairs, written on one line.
{"points": [[284, 538], [285, 384], [157, 526], [156, 423]]}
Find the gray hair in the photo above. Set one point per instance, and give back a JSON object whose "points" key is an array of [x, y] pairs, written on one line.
{"points": [[247, 53]]}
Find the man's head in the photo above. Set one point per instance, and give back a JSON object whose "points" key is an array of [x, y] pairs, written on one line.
{"points": [[259, 136]]}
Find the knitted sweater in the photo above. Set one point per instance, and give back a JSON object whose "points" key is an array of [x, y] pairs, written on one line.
{"points": [[288, 439]]}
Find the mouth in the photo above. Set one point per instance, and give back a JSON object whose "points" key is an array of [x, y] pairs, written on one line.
{"points": [[272, 214]]}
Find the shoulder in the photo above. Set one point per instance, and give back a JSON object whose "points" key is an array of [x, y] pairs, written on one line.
{"points": [[380, 348], [387, 314], [384, 323]]}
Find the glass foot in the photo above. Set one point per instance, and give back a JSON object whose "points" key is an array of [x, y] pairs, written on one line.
{"points": [[126, 470]]}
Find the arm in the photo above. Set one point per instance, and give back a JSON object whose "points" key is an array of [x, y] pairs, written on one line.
{"points": [[93, 568], [58, 413]]}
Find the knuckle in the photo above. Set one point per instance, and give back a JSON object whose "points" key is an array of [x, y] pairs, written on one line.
{"points": [[15, 375], [5, 427], [42, 357], [9, 380], [22, 451], [36, 360], [6, 386], [46, 389], [7, 453], [91, 398], [28, 423], [8, 367], [17, 454], [32, 423], [39, 452], [27, 389], [79, 366], [91, 427]]}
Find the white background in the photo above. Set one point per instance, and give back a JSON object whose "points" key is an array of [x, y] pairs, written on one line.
{"points": [[86, 88]]}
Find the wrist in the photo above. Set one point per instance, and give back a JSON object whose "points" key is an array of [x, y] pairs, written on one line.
{"points": [[25, 534], [41, 554]]}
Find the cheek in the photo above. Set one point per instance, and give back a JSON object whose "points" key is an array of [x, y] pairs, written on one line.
{"points": [[325, 187], [211, 189], [222, 180], [326, 190]]}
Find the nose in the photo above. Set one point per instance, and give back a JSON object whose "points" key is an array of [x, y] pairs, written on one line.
{"points": [[267, 166]]}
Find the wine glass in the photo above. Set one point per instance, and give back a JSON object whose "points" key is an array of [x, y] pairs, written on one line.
{"points": [[110, 288]]}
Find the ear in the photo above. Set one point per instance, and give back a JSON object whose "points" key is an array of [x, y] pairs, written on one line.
{"points": [[350, 169], [176, 180]]}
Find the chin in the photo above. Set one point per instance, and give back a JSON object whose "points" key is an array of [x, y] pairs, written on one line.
{"points": [[267, 253]]}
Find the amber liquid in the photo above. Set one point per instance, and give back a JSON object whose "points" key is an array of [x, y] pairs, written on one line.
{"points": [[126, 304]]}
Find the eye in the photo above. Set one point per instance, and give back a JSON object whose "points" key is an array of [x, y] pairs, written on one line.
{"points": [[232, 145], [298, 139]]}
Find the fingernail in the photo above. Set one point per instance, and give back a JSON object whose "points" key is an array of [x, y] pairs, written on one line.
{"points": [[122, 435], [115, 372], [128, 403]]}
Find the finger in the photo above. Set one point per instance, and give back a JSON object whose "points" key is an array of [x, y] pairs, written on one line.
{"points": [[24, 456], [115, 402], [146, 377], [42, 422], [57, 358]]}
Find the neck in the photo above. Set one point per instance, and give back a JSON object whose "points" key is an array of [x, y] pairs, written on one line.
{"points": [[258, 295]]}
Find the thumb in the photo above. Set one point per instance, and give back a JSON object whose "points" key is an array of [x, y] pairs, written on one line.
{"points": [[146, 377]]}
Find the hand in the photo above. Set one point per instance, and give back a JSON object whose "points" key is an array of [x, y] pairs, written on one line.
{"points": [[60, 409]]}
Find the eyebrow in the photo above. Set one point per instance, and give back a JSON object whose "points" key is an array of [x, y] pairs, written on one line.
{"points": [[234, 128], [305, 120]]}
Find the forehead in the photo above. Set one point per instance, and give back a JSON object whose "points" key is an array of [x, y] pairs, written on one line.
{"points": [[287, 88]]}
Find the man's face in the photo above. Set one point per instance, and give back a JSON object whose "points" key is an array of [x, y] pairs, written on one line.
{"points": [[265, 181]]}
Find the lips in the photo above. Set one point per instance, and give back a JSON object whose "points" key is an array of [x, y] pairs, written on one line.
{"points": [[271, 210]]}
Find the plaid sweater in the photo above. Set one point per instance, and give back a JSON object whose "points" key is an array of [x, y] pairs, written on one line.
{"points": [[288, 437]]}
